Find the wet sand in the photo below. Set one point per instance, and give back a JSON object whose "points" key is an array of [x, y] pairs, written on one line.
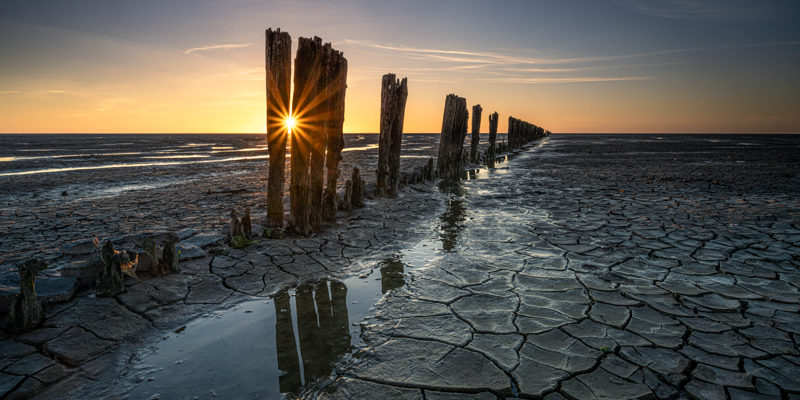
{"points": [[608, 267], [42, 213]]}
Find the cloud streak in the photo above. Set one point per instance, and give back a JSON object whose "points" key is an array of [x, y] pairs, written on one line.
{"points": [[705, 10], [210, 47], [574, 79], [489, 58]]}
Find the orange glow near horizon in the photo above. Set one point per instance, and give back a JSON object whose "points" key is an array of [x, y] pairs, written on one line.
{"points": [[79, 68]]}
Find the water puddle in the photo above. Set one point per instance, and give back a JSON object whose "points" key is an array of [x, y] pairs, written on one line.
{"points": [[275, 347], [270, 348], [260, 348]]}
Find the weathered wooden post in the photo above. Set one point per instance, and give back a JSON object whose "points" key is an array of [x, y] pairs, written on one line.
{"points": [[429, 171], [318, 135], [353, 191], [279, 72], [236, 226], [337, 73], [247, 224], [26, 309], [109, 278], [394, 93], [305, 107], [476, 132], [451, 141], [491, 153], [510, 137]]}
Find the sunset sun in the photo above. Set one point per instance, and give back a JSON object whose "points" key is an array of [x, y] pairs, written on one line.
{"points": [[289, 122]]}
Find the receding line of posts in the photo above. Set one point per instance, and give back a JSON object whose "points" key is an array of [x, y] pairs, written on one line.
{"points": [[311, 120]]}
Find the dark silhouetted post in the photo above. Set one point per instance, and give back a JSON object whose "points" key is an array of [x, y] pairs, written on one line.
{"points": [[451, 141], [26, 309], [393, 106], [247, 224], [491, 152], [109, 278], [353, 191], [305, 106], [279, 72], [337, 73], [476, 132], [512, 132], [318, 137]]}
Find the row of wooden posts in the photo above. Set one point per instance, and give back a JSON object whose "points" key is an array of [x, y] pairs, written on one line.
{"points": [[316, 140]]}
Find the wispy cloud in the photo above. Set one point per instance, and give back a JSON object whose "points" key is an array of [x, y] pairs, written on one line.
{"points": [[706, 10], [574, 79], [491, 58], [440, 64], [4, 92], [210, 47]]}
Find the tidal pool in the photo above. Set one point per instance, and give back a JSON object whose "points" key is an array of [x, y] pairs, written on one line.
{"points": [[268, 348]]}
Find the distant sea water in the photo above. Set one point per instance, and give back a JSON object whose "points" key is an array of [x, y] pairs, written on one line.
{"points": [[46, 160]]}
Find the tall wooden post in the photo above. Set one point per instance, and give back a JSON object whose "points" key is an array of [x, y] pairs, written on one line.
{"points": [[451, 141], [279, 72], [512, 133], [393, 107], [510, 136], [491, 153], [476, 131], [318, 136], [307, 131], [337, 72]]}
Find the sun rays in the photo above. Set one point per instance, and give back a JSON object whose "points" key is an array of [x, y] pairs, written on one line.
{"points": [[289, 122]]}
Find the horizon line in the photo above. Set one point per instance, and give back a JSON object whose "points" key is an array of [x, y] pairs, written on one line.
{"points": [[404, 133]]}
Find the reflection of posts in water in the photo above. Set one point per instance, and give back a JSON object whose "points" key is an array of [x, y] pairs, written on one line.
{"points": [[286, 347], [322, 332], [341, 322], [306, 326], [391, 274], [454, 215]]}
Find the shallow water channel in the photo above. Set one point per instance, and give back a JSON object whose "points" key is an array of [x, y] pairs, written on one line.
{"points": [[275, 347]]}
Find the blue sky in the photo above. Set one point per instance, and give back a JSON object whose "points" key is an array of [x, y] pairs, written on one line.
{"points": [[571, 66]]}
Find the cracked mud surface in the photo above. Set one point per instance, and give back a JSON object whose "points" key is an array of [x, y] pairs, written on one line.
{"points": [[589, 267], [87, 347], [603, 267]]}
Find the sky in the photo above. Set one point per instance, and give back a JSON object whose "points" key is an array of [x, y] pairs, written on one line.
{"points": [[197, 66]]}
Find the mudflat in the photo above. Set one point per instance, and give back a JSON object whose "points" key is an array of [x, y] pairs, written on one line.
{"points": [[587, 266]]}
